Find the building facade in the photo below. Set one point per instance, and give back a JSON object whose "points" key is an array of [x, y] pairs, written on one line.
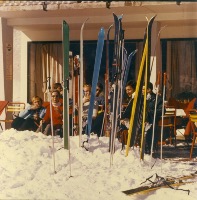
{"points": [[22, 22]]}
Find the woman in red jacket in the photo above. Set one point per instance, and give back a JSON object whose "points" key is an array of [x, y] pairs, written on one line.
{"points": [[57, 116]]}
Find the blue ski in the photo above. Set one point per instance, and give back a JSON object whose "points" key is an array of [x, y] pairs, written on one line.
{"points": [[97, 63]]}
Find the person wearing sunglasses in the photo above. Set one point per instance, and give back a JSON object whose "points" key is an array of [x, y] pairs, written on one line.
{"points": [[57, 116]]}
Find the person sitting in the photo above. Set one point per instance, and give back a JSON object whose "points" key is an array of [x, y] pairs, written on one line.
{"points": [[151, 97], [99, 97], [126, 113], [29, 119], [130, 91], [98, 122], [86, 103], [57, 116], [58, 86]]}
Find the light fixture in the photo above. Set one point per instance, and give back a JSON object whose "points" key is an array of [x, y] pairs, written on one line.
{"points": [[108, 3], [44, 6], [178, 2]]}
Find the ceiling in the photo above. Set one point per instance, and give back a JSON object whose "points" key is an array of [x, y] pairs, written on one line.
{"points": [[33, 17]]}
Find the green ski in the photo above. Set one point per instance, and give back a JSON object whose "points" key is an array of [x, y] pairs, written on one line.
{"points": [[66, 84]]}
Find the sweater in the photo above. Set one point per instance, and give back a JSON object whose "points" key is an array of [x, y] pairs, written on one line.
{"points": [[57, 114]]}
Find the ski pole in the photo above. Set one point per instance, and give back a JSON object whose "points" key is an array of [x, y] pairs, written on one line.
{"points": [[81, 81], [164, 85], [52, 133], [155, 111]]}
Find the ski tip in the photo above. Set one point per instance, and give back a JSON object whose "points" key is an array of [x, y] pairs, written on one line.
{"points": [[120, 17], [152, 18], [65, 23], [86, 20], [102, 32], [134, 52], [84, 24], [110, 26]]}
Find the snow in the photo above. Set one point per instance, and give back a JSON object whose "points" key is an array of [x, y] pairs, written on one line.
{"points": [[30, 168]]}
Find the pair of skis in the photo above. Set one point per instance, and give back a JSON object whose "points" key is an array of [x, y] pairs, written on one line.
{"points": [[161, 182], [116, 78], [116, 81], [143, 78]]}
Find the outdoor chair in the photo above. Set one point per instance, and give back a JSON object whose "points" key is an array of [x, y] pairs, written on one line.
{"points": [[169, 123], [193, 120], [12, 110]]}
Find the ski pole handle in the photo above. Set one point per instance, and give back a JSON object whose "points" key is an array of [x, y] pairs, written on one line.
{"points": [[49, 85], [164, 78]]}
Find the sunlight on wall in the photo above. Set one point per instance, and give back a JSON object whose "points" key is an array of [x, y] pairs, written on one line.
{"points": [[20, 66]]}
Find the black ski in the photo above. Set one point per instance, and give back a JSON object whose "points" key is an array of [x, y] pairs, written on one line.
{"points": [[116, 71]]}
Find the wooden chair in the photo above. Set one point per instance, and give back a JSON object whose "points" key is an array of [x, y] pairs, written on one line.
{"points": [[193, 119], [169, 121], [12, 110]]}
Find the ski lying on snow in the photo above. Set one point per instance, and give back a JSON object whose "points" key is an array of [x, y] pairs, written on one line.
{"points": [[163, 183], [147, 189], [182, 160]]}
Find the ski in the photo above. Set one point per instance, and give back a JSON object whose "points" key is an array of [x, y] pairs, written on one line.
{"points": [[182, 160], [126, 71], [75, 108], [99, 51], [163, 183], [107, 126], [66, 84], [116, 72], [163, 112], [81, 81], [122, 76], [146, 80], [143, 76], [156, 100]]}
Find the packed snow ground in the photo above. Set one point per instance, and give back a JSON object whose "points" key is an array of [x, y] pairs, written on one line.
{"points": [[28, 163]]}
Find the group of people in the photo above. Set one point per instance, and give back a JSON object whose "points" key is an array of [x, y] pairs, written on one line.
{"points": [[149, 119], [37, 117], [125, 115]]}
